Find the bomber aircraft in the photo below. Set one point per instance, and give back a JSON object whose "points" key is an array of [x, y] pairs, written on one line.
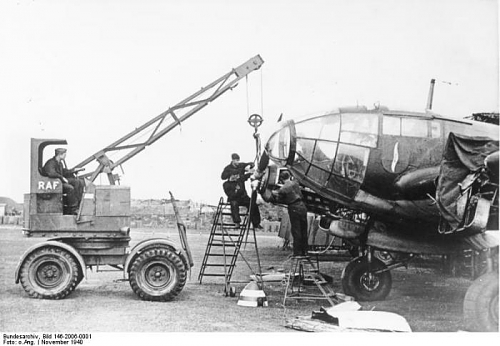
{"points": [[397, 182]]}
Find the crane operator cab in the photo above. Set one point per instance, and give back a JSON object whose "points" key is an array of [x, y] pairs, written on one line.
{"points": [[46, 192], [55, 169], [48, 208]]}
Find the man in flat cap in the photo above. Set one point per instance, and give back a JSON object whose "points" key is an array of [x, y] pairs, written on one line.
{"points": [[72, 187], [235, 174]]}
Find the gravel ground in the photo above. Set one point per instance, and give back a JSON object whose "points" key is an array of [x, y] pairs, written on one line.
{"points": [[429, 300]]}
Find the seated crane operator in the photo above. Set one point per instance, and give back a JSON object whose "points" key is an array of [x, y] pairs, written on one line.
{"points": [[72, 186]]}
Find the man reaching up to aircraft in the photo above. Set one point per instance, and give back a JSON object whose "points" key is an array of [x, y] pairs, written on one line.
{"points": [[290, 195]]}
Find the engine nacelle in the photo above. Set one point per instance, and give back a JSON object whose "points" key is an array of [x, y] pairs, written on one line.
{"points": [[342, 228]]}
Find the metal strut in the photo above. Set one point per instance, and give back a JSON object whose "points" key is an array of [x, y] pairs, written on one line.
{"points": [[165, 122]]}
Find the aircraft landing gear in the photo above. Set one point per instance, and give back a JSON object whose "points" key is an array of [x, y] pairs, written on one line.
{"points": [[367, 278]]}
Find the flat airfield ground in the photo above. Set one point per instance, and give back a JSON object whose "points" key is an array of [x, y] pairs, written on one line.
{"points": [[430, 300]]}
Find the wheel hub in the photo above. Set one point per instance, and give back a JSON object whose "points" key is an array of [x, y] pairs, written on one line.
{"points": [[369, 281], [157, 275], [48, 275]]}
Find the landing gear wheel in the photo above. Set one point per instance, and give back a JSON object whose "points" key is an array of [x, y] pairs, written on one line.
{"points": [[360, 281], [49, 273], [481, 304], [158, 274]]}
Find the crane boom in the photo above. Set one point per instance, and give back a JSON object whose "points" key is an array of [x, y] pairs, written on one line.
{"points": [[165, 122]]}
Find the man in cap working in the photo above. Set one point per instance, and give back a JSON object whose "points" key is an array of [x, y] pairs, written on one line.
{"points": [[235, 174], [72, 187], [291, 195]]}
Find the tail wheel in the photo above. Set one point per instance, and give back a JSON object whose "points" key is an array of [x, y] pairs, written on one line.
{"points": [[158, 274], [49, 273], [360, 281], [481, 304]]}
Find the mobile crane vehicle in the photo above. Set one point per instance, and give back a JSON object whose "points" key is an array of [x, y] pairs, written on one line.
{"points": [[99, 235]]}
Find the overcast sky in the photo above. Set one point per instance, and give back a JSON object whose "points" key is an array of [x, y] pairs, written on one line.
{"points": [[92, 71]]}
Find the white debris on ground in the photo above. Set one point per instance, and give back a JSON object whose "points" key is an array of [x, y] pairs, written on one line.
{"points": [[373, 320], [348, 317]]}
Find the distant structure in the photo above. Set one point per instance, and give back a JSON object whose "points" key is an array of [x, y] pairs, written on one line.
{"points": [[9, 207], [491, 118], [10, 212], [160, 213]]}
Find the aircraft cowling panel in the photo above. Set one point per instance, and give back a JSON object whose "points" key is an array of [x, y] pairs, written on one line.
{"points": [[420, 211], [382, 237], [344, 229], [418, 183]]}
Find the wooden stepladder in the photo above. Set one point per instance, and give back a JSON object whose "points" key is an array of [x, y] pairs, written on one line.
{"points": [[224, 244]]}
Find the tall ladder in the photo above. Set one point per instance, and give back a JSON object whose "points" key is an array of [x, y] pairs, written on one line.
{"points": [[224, 244]]}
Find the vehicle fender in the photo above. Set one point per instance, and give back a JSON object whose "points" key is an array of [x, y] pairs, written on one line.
{"points": [[148, 243], [53, 243]]}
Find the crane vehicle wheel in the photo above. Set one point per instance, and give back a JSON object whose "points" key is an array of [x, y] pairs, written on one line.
{"points": [[360, 281], [49, 273], [158, 274], [481, 304]]}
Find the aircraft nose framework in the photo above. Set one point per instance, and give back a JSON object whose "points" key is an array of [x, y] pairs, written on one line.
{"points": [[281, 145], [328, 152]]}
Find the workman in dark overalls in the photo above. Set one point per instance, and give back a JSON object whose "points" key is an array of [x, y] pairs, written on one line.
{"points": [[291, 195], [235, 175]]}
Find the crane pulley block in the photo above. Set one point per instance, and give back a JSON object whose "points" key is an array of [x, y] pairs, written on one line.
{"points": [[251, 65]]}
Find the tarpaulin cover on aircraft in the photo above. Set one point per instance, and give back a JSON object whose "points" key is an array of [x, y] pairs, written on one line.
{"points": [[462, 156]]}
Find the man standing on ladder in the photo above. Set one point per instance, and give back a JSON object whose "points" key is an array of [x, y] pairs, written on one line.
{"points": [[236, 174]]}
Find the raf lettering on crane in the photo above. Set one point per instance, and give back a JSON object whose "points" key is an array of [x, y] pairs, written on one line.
{"points": [[48, 185]]}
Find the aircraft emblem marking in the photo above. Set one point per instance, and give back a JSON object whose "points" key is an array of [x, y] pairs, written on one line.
{"points": [[395, 158]]}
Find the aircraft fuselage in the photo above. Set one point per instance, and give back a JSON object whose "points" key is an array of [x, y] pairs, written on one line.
{"points": [[379, 161]]}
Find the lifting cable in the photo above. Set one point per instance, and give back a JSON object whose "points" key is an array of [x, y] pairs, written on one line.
{"points": [[248, 98], [255, 121]]}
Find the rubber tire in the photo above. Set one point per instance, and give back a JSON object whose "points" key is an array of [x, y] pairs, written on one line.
{"points": [[356, 272], [481, 304], [49, 260], [80, 278], [164, 262]]}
